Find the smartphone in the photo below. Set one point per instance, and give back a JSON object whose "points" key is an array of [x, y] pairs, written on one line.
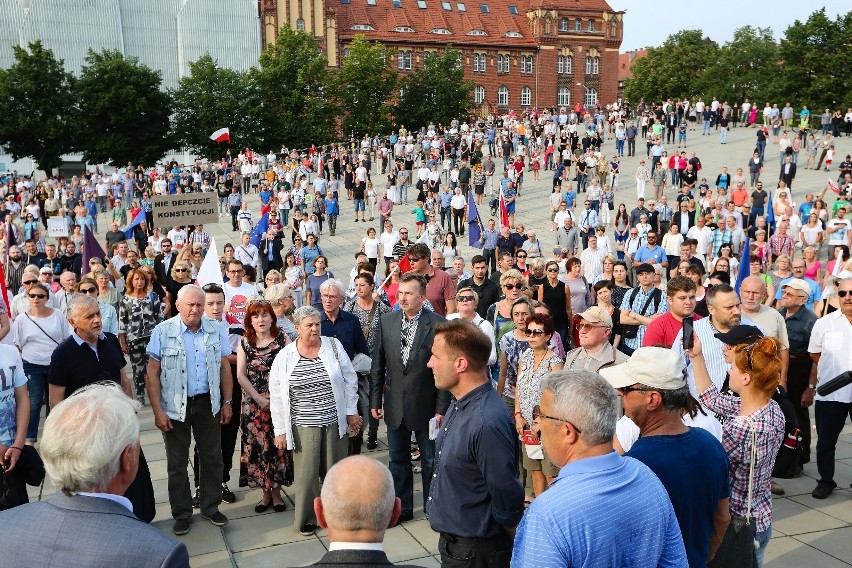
{"points": [[687, 333]]}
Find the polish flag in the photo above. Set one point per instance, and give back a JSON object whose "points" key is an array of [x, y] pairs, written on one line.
{"points": [[833, 186], [504, 213], [221, 135]]}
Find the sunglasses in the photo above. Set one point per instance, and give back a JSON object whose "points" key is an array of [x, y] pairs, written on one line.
{"points": [[466, 299], [40, 296], [625, 390], [840, 293], [181, 270], [747, 350], [553, 270], [88, 290], [537, 414], [522, 256], [534, 332], [259, 301], [28, 282], [512, 286], [415, 259]]}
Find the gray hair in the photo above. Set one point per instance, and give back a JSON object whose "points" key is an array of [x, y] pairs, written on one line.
{"points": [[277, 292], [305, 312], [188, 289], [587, 400], [80, 303], [358, 502], [85, 435], [333, 282]]}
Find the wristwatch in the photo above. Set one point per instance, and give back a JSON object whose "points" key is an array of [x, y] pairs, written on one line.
{"points": [[229, 401], [812, 387]]}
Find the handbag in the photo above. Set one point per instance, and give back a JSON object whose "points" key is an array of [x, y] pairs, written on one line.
{"points": [[739, 545], [12, 492], [532, 445]]}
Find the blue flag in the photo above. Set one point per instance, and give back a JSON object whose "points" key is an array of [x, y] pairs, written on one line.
{"points": [[259, 230], [128, 232], [770, 216], [745, 261], [474, 223], [91, 247]]}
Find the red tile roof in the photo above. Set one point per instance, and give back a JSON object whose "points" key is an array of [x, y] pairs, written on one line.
{"points": [[499, 21], [626, 61]]}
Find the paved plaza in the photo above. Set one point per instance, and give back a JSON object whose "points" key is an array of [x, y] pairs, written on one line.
{"points": [[806, 531]]}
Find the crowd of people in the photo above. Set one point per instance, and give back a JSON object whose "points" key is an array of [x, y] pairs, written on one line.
{"points": [[513, 381]]}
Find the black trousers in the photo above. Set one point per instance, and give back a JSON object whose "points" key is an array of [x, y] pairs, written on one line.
{"points": [[830, 418], [797, 383], [458, 552], [230, 433]]}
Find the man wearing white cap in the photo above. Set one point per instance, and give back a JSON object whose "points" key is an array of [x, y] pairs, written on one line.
{"points": [[654, 394], [595, 351]]}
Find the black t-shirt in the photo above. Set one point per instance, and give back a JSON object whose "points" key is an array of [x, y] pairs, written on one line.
{"points": [[114, 237], [758, 197], [74, 366]]}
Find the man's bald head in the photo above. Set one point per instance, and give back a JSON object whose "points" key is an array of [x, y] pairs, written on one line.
{"points": [[357, 498]]}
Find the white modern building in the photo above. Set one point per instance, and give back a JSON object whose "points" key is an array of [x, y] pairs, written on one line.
{"points": [[166, 35]]}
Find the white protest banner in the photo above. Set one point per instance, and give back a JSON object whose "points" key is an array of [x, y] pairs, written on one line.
{"points": [[57, 227]]}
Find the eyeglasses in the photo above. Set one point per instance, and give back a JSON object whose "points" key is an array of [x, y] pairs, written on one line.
{"points": [[534, 332], [39, 296], [181, 270], [28, 282], [240, 271], [511, 286], [521, 256], [626, 390], [747, 350], [553, 270], [588, 326], [466, 299], [88, 290], [538, 414], [415, 258], [840, 293]]}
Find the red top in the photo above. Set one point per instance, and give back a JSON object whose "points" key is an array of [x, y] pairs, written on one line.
{"points": [[663, 331]]}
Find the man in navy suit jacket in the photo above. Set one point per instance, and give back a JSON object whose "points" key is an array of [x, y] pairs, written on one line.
{"points": [[90, 448]]}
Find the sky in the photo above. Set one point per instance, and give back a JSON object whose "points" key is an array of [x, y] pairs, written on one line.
{"points": [[650, 22]]}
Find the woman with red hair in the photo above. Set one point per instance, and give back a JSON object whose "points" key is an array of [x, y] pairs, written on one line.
{"points": [[263, 465]]}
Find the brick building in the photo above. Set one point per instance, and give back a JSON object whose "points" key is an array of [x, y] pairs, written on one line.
{"points": [[519, 53]]}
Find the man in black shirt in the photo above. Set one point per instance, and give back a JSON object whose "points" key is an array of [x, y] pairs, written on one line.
{"points": [[487, 290]]}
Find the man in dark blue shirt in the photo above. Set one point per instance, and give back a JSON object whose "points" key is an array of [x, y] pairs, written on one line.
{"points": [[476, 500], [690, 462]]}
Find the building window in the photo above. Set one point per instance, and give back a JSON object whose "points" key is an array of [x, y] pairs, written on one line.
{"points": [[563, 25], [591, 25], [591, 98], [592, 65], [363, 27], [578, 25], [345, 52], [477, 33], [404, 29], [479, 63], [446, 6], [526, 96], [344, 1], [300, 25], [513, 9], [485, 9], [503, 96], [527, 65], [479, 94], [458, 60], [503, 64], [563, 97], [371, 2], [440, 31], [421, 4], [461, 7], [397, 3], [563, 65], [403, 59]]}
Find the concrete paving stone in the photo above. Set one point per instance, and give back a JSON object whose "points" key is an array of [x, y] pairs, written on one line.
{"points": [[793, 518], [159, 470], [427, 562], [300, 553], [797, 486], [787, 552], [203, 537], [422, 531], [220, 559], [836, 543], [261, 531], [837, 505]]}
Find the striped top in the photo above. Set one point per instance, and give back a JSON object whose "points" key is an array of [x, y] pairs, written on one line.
{"points": [[311, 398]]}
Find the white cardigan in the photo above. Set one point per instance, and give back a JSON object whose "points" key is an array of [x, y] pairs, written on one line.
{"points": [[344, 386]]}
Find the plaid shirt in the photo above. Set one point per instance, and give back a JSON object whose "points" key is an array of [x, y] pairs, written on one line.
{"points": [[781, 244], [736, 439], [201, 238]]}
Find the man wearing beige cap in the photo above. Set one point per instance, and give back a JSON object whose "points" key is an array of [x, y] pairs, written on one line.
{"points": [[595, 351], [752, 296], [654, 394]]}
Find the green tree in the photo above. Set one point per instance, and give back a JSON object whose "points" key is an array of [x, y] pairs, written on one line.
{"points": [[365, 85], [437, 92], [38, 107], [745, 68], [124, 114], [816, 57], [210, 98], [675, 69], [293, 85]]}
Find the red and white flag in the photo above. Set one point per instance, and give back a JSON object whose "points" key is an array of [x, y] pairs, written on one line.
{"points": [[221, 135], [833, 186], [504, 212]]}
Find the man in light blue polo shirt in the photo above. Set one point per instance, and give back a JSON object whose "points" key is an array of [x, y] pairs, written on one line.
{"points": [[187, 370], [798, 268], [651, 253], [603, 509]]}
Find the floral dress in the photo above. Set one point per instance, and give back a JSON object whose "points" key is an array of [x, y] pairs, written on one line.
{"points": [[263, 466], [137, 318], [529, 380]]}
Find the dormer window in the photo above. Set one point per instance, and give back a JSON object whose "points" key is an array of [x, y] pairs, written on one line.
{"points": [[404, 29], [440, 31], [477, 33], [512, 34], [363, 28]]}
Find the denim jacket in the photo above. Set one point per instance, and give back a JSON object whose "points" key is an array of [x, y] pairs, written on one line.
{"points": [[173, 375]]}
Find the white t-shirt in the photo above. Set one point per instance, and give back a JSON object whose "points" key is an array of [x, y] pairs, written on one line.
{"points": [[388, 240], [702, 235], [838, 237], [832, 338], [237, 299], [371, 247], [11, 377], [178, 238]]}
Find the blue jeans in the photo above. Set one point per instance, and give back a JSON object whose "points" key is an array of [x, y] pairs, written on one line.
{"points": [[37, 387], [763, 542], [285, 216], [399, 450], [723, 136]]}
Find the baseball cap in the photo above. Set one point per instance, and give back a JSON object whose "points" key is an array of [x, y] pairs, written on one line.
{"points": [[739, 335], [655, 367], [595, 314], [644, 267], [797, 284]]}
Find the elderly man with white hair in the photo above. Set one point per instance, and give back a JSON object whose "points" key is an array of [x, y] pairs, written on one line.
{"points": [[90, 446]]}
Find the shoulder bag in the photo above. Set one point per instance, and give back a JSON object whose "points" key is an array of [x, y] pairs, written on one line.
{"points": [[630, 331]]}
